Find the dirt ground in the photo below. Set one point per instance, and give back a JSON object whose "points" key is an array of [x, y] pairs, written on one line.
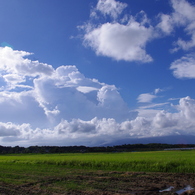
{"points": [[105, 183]]}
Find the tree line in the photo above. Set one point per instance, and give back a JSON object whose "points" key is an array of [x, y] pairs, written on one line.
{"points": [[86, 149]]}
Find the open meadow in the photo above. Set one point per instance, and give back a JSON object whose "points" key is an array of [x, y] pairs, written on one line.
{"points": [[97, 173]]}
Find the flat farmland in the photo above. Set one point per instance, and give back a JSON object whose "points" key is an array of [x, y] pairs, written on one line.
{"points": [[97, 173]]}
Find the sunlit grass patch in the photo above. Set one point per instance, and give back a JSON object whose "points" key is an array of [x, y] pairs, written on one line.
{"points": [[164, 161]]}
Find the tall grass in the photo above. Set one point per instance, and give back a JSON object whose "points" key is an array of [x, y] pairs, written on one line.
{"points": [[164, 161]]}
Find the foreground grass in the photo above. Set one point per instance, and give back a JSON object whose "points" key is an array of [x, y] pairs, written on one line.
{"points": [[51, 179], [92, 173]]}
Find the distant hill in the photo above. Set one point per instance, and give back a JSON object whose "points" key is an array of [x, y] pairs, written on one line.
{"points": [[125, 145], [175, 139]]}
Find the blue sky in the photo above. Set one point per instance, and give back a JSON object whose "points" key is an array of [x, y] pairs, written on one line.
{"points": [[95, 72]]}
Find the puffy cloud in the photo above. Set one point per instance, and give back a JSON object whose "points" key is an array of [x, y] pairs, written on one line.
{"points": [[120, 42], [14, 61], [108, 95], [187, 107], [62, 107], [125, 37], [68, 94], [185, 16], [121, 39], [184, 67], [166, 23], [105, 130], [164, 120], [9, 129], [54, 94], [181, 121], [166, 123], [16, 69], [110, 7], [183, 11], [76, 126], [93, 128], [182, 16]]}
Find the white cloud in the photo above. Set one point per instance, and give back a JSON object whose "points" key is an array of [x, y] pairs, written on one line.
{"points": [[55, 94], [187, 108], [165, 24], [166, 123], [185, 16], [125, 37], [86, 89], [146, 97], [59, 93], [108, 95], [111, 7], [120, 42], [121, 39], [99, 131], [9, 129], [21, 107], [64, 108], [184, 67], [16, 69], [158, 90], [14, 61], [182, 16], [161, 124], [13, 80], [164, 120], [150, 110], [68, 94], [183, 11]]}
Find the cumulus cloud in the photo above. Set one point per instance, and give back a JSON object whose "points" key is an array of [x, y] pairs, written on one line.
{"points": [[166, 123], [184, 67], [101, 131], [125, 37], [14, 61], [110, 7], [122, 38], [183, 15], [165, 24], [53, 94], [68, 94], [62, 107], [9, 129], [120, 42], [16, 68], [187, 107]]}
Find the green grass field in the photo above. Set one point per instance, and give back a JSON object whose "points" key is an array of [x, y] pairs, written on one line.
{"points": [[162, 161], [90, 173]]}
